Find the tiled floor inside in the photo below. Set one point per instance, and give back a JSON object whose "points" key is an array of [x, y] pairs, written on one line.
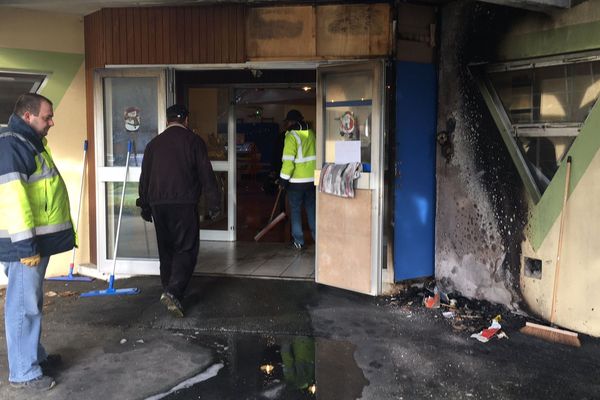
{"points": [[261, 260]]}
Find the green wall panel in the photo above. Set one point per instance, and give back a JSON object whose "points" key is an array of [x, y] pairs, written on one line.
{"points": [[583, 150], [561, 40], [60, 67]]}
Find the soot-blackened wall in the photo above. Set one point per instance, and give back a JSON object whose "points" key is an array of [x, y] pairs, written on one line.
{"points": [[481, 207]]}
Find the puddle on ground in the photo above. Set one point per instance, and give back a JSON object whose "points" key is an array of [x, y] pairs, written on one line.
{"points": [[253, 367]]}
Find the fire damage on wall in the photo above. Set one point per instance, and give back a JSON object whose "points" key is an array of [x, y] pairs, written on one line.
{"points": [[481, 201]]}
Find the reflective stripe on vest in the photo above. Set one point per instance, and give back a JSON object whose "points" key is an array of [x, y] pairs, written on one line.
{"points": [[37, 204]]}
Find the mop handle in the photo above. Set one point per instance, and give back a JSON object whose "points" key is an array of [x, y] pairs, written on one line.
{"points": [[121, 210], [84, 162]]}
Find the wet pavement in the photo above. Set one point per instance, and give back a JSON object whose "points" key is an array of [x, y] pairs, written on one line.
{"points": [[266, 339]]}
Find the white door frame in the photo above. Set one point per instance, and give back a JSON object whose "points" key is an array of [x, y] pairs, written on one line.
{"points": [[124, 266]]}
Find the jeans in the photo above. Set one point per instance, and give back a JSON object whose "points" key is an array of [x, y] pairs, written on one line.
{"points": [[296, 198], [23, 319]]}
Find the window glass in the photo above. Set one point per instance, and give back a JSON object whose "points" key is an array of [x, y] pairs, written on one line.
{"points": [[553, 94], [12, 85], [547, 106], [131, 114], [220, 223], [137, 238], [209, 110], [348, 107]]}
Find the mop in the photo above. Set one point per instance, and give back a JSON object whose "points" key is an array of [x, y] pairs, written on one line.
{"points": [[111, 291], [70, 276]]}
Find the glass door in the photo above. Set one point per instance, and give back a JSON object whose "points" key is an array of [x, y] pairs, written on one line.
{"points": [[212, 116], [129, 106]]}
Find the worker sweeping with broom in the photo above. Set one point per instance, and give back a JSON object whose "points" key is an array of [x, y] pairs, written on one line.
{"points": [[297, 174], [176, 170]]}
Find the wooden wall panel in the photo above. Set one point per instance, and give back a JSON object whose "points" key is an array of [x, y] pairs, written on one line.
{"points": [[344, 245], [354, 30], [168, 35], [319, 32], [278, 32], [415, 34]]}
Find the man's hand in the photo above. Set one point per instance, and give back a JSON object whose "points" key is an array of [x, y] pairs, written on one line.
{"points": [[283, 183], [32, 261], [146, 214], [214, 213]]}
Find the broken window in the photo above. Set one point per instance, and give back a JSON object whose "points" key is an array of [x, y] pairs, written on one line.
{"points": [[546, 102], [12, 85]]}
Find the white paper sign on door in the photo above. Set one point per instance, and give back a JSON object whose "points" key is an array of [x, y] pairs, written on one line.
{"points": [[347, 151]]}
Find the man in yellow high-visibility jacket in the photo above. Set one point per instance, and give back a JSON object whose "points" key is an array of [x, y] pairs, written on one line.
{"points": [[35, 223], [297, 174]]}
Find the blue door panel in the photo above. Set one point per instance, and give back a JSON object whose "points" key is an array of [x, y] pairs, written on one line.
{"points": [[416, 99]]}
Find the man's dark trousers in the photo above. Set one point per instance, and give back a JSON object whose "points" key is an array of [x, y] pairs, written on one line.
{"points": [[178, 236]]}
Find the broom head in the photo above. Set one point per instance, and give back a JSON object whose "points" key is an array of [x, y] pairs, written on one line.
{"points": [[551, 334]]}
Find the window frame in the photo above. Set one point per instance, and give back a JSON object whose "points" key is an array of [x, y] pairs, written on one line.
{"points": [[37, 86], [511, 132]]}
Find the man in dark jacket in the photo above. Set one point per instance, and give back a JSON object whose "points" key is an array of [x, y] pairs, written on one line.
{"points": [[35, 223], [175, 172]]}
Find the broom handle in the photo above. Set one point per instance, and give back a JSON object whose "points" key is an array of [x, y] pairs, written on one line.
{"points": [[121, 211], [275, 205], [560, 238], [85, 147]]}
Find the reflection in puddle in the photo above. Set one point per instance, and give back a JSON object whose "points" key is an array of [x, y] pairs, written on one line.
{"points": [[283, 367]]}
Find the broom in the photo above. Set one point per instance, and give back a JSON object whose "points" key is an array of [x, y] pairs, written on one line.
{"points": [[272, 221], [549, 333]]}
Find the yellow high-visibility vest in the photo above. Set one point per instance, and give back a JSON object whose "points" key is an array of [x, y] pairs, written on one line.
{"points": [[299, 156], [35, 215]]}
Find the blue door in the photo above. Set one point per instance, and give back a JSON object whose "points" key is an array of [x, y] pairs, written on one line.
{"points": [[416, 99]]}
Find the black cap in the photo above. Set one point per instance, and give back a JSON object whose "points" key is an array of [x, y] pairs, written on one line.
{"points": [[294, 115], [177, 111]]}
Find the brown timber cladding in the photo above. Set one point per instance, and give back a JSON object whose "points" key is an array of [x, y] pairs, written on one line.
{"points": [[165, 35], [319, 32]]}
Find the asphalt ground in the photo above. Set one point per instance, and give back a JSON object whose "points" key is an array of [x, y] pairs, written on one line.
{"points": [[274, 339]]}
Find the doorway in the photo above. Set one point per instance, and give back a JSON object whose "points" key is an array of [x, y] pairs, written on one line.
{"points": [[238, 111], [252, 103], [247, 108]]}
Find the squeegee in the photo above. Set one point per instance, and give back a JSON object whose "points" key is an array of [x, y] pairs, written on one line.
{"points": [[111, 291]]}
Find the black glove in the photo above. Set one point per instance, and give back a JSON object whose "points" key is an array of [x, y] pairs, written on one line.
{"points": [[283, 183], [214, 213], [146, 214]]}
